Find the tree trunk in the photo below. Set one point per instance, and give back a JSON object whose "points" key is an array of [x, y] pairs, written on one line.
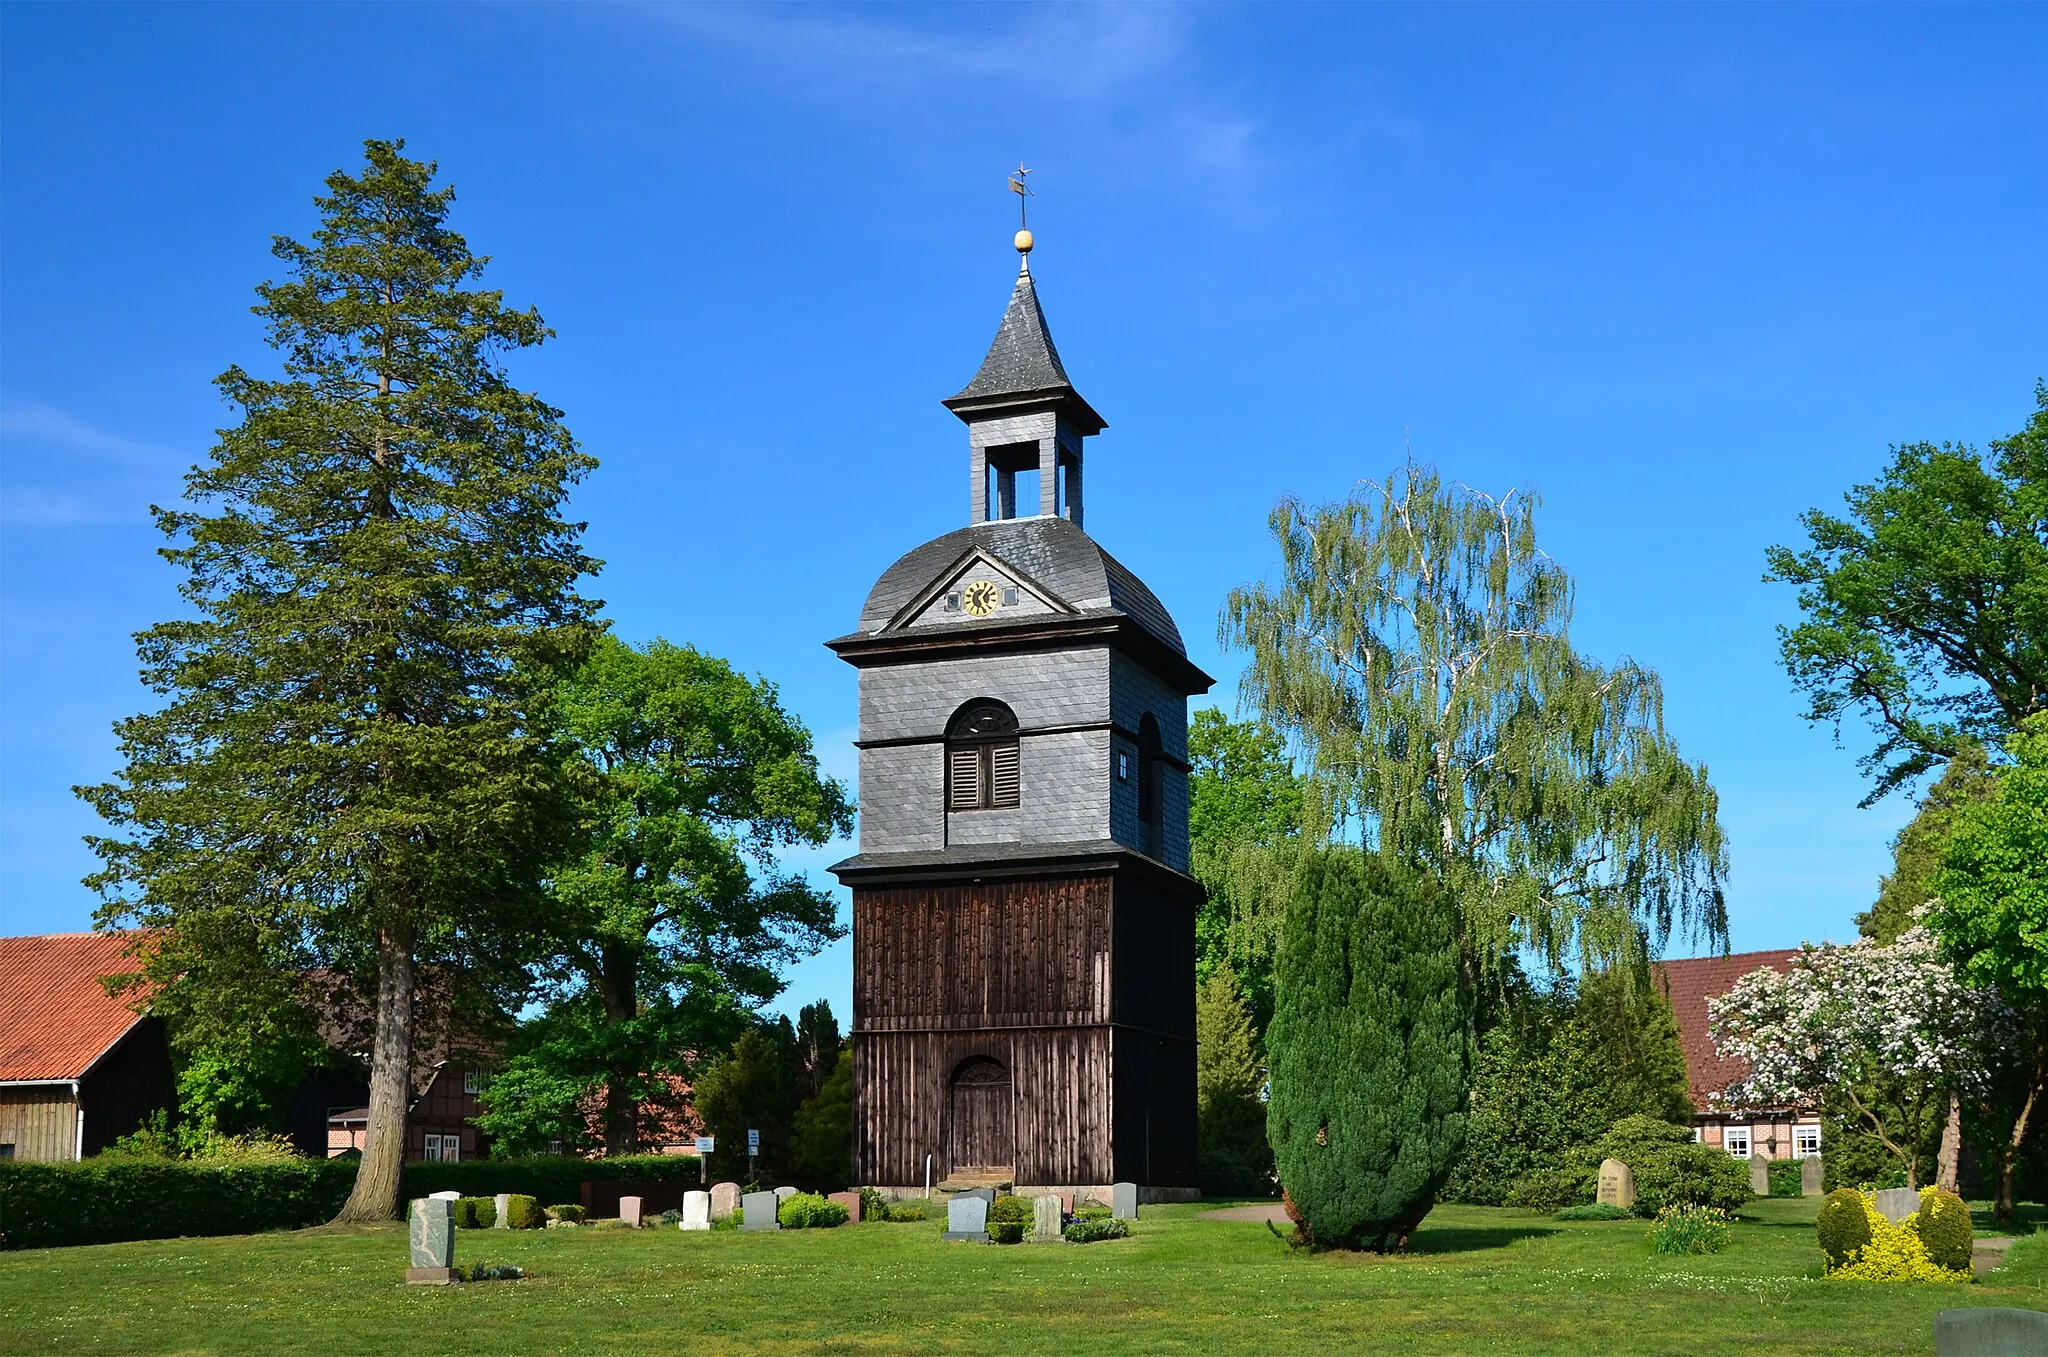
{"points": [[1951, 1145], [375, 1195], [2005, 1208], [618, 988]]}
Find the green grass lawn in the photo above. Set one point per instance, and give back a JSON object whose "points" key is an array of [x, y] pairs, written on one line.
{"points": [[1477, 1280]]}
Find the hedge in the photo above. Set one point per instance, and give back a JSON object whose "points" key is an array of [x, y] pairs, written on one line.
{"points": [[104, 1201]]}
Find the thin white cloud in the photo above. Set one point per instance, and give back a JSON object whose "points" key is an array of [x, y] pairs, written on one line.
{"points": [[29, 421], [1075, 51]]}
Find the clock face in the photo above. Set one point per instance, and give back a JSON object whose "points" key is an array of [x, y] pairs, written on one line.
{"points": [[981, 598]]}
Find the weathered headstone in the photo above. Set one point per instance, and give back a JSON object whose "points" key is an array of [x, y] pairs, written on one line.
{"points": [[1810, 1176], [1896, 1203], [783, 1194], [1617, 1185], [1123, 1201], [696, 1210], [504, 1218], [431, 1225], [967, 1218], [1045, 1219], [1759, 1176], [986, 1194], [725, 1199], [629, 1212], [1986, 1331], [760, 1211], [851, 1201], [444, 1196]]}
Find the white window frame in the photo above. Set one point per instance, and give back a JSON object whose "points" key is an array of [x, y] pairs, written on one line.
{"points": [[444, 1149], [472, 1080], [1806, 1142], [1728, 1141]]}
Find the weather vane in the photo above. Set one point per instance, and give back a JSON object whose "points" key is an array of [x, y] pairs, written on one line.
{"points": [[1023, 192]]}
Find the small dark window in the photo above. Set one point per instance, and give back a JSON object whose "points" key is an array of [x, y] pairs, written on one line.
{"points": [[7, 1151], [982, 770], [1123, 766]]}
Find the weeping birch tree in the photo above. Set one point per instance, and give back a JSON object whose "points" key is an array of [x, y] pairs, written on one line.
{"points": [[1416, 652]]}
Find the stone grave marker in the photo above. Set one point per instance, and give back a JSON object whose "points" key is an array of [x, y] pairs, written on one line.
{"points": [[1617, 1185], [504, 1219], [851, 1201], [1045, 1219], [1896, 1203], [1990, 1331], [1123, 1201], [431, 1225], [725, 1199], [1809, 1176], [1759, 1176], [967, 1218], [987, 1194], [760, 1211], [444, 1196], [696, 1210], [629, 1212], [783, 1194]]}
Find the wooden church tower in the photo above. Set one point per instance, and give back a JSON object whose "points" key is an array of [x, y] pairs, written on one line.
{"points": [[1023, 920]]}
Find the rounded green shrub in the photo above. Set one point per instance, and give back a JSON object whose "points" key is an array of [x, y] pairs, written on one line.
{"points": [[1690, 1175], [1008, 1218], [1787, 1180], [1093, 1231], [913, 1209], [810, 1211], [1842, 1225], [1549, 1190], [1943, 1224], [475, 1213], [1370, 1048], [569, 1212], [524, 1213]]}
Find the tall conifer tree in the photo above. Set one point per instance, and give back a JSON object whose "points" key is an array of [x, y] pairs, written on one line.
{"points": [[382, 584]]}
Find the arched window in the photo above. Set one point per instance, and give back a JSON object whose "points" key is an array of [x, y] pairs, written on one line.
{"points": [[981, 758], [1148, 770]]}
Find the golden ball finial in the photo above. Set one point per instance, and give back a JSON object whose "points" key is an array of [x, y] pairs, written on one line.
{"points": [[1023, 242]]}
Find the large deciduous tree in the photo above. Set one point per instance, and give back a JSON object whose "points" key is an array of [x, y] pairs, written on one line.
{"points": [[381, 585], [1244, 810], [1927, 607], [1918, 848], [1416, 650], [1993, 918], [673, 920]]}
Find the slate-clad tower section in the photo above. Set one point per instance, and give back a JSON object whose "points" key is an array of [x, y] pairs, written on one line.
{"points": [[1023, 921]]}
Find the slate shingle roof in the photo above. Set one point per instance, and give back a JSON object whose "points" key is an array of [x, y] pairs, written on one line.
{"points": [[1690, 983], [55, 1019], [1022, 358], [1051, 551]]}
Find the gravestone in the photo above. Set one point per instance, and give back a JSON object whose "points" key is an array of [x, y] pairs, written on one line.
{"points": [[1123, 1201], [444, 1196], [986, 1194], [431, 1225], [760, 1211], [1810, 1176], [1985, 1331], [1617, 1185], [1759, 1176], [629, 1212], [504, 1218], [851, 1201], [1896, 1203], [725, 1199], [696, 1210], [783, 1194], [1045, 1219], [967, 1218]]}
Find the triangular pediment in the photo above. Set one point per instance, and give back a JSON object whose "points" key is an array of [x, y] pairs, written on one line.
{"points": [[979, 587]]}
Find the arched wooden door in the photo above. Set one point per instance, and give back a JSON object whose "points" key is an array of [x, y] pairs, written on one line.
{"points": [[979, 1134]]}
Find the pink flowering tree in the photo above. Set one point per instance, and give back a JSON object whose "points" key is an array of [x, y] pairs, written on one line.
{"points": [[1845, 1023]]}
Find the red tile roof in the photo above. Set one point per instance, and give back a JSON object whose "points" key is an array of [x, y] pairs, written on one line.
{"points": [[1690, 983], [55, 1018]]}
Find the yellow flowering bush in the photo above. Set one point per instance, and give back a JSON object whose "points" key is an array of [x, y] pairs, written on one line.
{"points": [[1894, 1253]]}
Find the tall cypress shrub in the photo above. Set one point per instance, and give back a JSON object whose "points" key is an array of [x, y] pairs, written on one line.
{"points": [[1370, 1049]]}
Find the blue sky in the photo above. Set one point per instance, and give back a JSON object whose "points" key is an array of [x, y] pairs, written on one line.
{"points": [[1685, 271]]}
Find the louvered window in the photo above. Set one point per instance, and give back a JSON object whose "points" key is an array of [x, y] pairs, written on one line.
{"points": [[982, 770]]}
